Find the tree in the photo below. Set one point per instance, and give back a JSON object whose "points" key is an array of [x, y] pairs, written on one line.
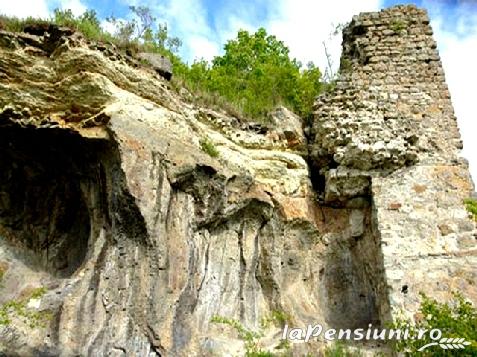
{"points": [[140, 30], [257, 74]]}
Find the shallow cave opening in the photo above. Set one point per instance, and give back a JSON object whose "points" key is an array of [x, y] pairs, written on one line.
{"points": [[45, 206], [317, 176]]}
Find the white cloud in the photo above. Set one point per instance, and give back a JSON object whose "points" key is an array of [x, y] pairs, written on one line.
{"points": [[187, 19], [39, 8], [458, 51], [24, 8], [76, 6], [202, 47], [304, 25], [109, 26]]}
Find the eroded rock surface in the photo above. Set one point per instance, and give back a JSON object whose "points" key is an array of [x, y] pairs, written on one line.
{"points": [[139, 237]]}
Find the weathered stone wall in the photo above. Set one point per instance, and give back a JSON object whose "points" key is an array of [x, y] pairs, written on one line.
{"points": [[388, 132]]}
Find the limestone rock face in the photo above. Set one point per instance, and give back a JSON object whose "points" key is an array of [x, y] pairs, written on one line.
{"points": [[160, 63], [290, 127], [137, 236], [120, 236]]}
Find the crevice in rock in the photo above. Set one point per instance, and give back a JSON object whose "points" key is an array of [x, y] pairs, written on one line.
{"points": [[242, 272], [350, 278], [264, 270], [206, 269], [318, 177]]}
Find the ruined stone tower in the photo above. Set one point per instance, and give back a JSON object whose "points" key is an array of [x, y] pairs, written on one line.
{"points": [[388, 132]]}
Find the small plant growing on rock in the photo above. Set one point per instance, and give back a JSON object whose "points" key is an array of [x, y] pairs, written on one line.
{"points": [[471, 206], [250, 338], [346, 65], [398, 26], [277, 317], [2, 273], [18, 309], [208, 147]]}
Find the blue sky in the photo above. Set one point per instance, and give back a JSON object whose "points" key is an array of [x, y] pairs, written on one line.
{"points": [[205, 25]]}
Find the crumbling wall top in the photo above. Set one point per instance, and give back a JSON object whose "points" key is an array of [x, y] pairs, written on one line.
{"points": [[391, 106]]}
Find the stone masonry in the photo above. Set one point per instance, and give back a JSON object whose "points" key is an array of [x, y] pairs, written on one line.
{"points": [[388, 133]]}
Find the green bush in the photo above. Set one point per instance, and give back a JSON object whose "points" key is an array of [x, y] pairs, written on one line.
{"points": [[398, 25], [250, 338], [277, 317], [87, 23], [455, 319], [208, 147], [471, 206], [14, 24]]}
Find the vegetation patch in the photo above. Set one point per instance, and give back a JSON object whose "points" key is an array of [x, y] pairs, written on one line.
{"points": [[3, 270], [346, 65], [276, 317], [250, 338], [208, 147], [398, 25], [455, 319], [18, 309], [471, 205]]}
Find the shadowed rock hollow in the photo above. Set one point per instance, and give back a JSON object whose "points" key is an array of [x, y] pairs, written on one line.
{"points": [[140, 238]]}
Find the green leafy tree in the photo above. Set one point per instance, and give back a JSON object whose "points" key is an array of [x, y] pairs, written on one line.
{"points": [[256, 74]]}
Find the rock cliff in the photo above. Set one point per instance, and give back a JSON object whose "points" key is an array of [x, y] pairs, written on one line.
{"points": [[137, 237]]}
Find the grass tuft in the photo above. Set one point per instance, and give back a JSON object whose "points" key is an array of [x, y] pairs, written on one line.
{"points": [[208, 147]]}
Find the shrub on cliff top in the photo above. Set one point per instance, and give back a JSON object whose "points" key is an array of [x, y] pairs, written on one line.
{"points": [[15, 24], [87, 23]]}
